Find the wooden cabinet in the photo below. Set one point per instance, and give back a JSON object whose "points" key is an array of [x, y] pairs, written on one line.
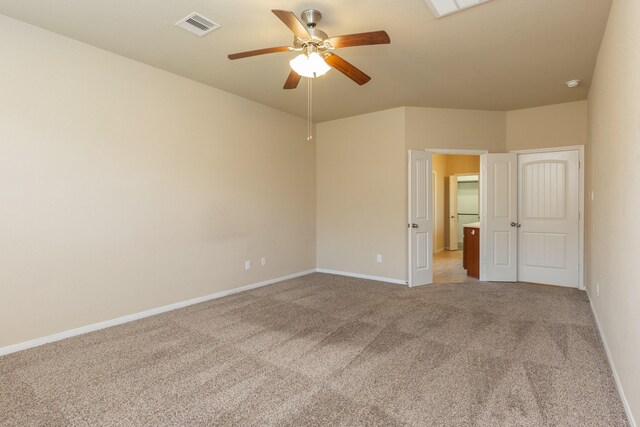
{"points": [[471, 251]]}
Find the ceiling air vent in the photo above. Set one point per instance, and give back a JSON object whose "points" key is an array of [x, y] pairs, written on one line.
{"points": [[197, 24]]}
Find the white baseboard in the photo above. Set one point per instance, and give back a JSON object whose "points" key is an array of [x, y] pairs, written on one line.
{"points": [[625, 402], [362, 276], [140, 315]]}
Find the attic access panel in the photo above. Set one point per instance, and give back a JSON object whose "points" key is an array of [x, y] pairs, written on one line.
{"points": [[441, 8]]}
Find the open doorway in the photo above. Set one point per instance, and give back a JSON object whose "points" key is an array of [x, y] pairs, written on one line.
{"points": [[532, 221], [457, 208]]}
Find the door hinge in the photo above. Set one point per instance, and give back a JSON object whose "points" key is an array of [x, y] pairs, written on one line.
{"points": [[579, 165], [579, 216]]}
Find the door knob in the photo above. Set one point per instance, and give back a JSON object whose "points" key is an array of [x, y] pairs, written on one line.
{"points": [[414, 225], [513, 224], [516, 224]]}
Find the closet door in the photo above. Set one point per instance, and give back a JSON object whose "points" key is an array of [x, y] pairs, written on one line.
{"points": [[548, 236]]}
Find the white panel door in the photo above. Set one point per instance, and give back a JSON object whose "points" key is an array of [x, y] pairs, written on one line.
{"points": [[453, 213], [548, 237], [499, 218], [420, 218]]}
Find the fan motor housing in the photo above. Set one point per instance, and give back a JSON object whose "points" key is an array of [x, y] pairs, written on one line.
{"points": [[317, 37], [311, 17]]}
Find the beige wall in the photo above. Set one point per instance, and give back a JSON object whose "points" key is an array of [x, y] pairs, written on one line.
{"points": [[456, 129], [445, 128], [126, 188], [361, 198], [613, 171], [556, 125], [362, 180], [462, 164]]}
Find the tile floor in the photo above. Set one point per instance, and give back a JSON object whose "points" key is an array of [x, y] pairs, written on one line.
{"points": [[447, 268]]}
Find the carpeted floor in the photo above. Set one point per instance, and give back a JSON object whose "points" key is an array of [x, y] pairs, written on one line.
{"points": [[331, 350]]}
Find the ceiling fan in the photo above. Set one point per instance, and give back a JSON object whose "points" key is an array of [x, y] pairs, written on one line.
{"points": [[316, 48]]}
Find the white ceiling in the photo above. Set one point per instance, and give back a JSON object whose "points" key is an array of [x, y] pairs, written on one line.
{"points": [[501, 55]]}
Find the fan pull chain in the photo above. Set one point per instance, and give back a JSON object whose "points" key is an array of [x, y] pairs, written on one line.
{"points": [[309, 110]]}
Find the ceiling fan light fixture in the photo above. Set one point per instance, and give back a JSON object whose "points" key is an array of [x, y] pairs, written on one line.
{"points": [[309, 65], [315, 48]]}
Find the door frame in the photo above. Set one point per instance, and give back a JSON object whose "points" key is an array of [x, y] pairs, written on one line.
{"points": [[434, 176], [581, 167], [471, 174], [452, 151], [452, 215], [456, 175]]}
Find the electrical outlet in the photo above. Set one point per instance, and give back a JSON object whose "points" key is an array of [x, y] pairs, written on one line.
{"points": [[378, 258], [597, 289], [247, 265], [263, 260]]}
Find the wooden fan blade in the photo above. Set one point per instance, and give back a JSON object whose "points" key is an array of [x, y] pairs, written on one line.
{"points": [[347, 69], [292, 80], [360, 39], [259, 52], [291, 21]]}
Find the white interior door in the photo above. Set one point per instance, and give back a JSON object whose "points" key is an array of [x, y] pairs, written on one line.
{"points": [[420, 218], [548, 250], [453, 213], [498, 219]]}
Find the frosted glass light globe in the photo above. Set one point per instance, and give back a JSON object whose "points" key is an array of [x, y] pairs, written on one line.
{"points": [[311, 65]]}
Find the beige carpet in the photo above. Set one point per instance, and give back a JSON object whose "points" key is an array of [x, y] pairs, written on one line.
{"points": [[330, 350]]}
